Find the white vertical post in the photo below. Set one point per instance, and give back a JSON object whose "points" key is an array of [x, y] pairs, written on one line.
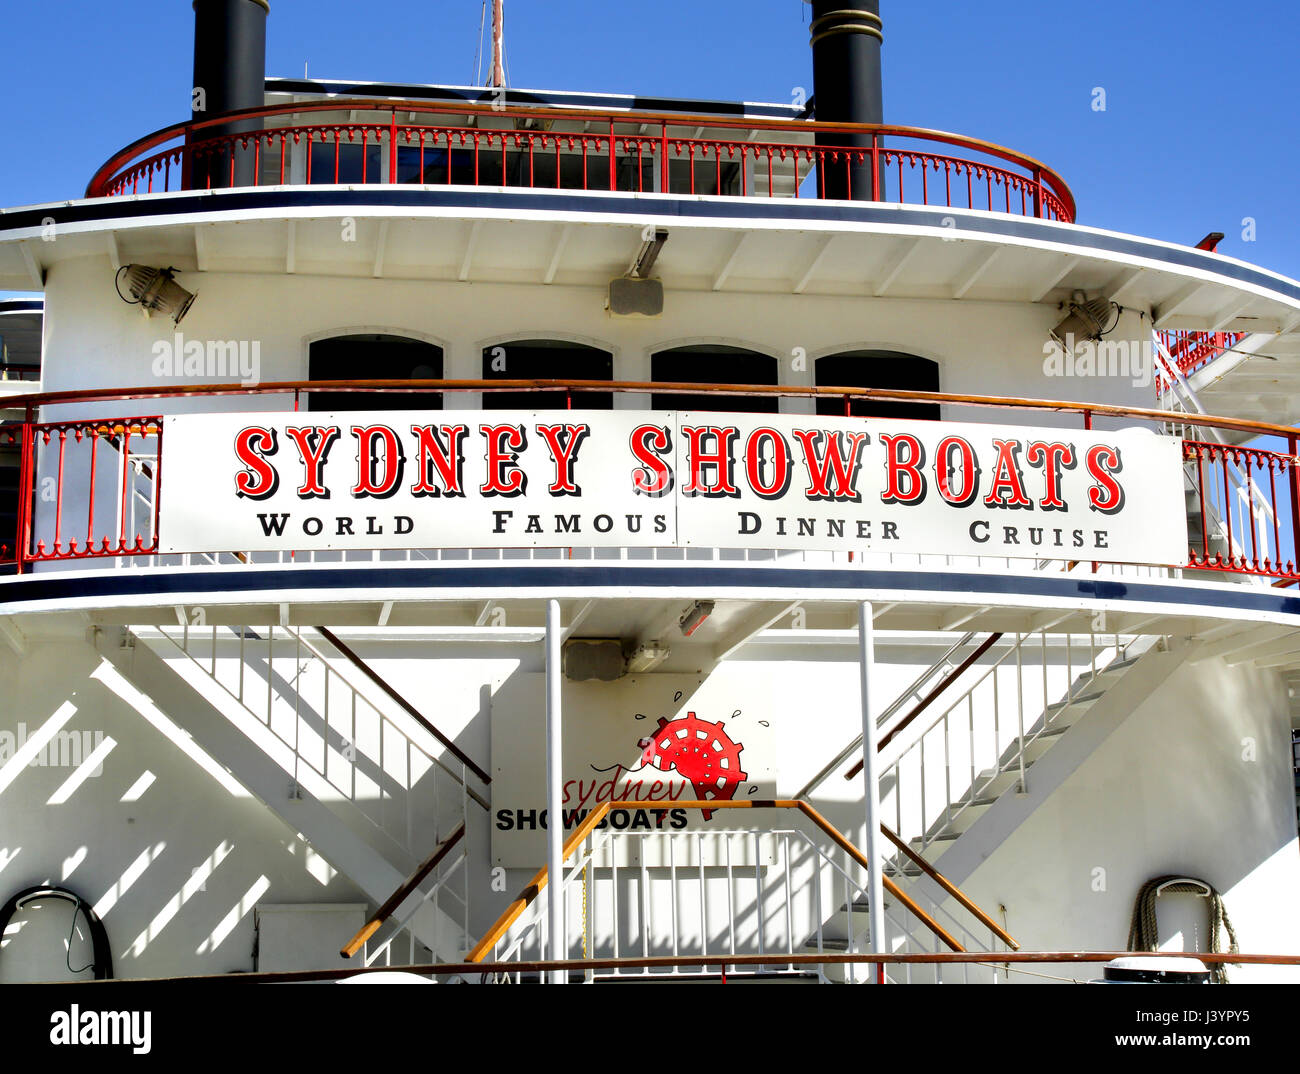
{"points": [[875, 889], [554, 784]]}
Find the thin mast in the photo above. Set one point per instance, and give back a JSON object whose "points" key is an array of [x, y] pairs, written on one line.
{"points": [[498, 45]]}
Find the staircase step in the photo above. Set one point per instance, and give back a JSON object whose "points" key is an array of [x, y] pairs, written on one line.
{"points": [[961, 822]]}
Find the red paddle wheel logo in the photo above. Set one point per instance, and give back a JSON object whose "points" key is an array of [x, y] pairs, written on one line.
{"points": [[700, 752]]}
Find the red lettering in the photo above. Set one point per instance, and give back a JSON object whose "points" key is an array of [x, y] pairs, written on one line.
{"points": [[314, 443], [1107, 495], [834, 462], [564, 442], [379, 461], [1052, 458], [898, 466], [1008, 488], [700, 462], [653, 477], [779, 460], [504, 477], [956, 457], [447, 457], [259, 479]]}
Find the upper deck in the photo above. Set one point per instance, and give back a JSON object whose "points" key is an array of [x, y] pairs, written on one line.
{"points": [[947, 250]]}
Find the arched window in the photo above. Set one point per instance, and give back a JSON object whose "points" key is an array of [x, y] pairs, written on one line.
{"points": [[714, 364], [373, 357], [546, 359], [878, 369]]}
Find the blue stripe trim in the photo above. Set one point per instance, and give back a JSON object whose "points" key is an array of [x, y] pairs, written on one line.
{"points": [[119, 584], [719, 209], [22, 305]]}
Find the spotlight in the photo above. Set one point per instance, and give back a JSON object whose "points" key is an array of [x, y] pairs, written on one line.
{"points": [[156, 290], [694, 616], [1088, 320], [646, 658], [644, 262]]}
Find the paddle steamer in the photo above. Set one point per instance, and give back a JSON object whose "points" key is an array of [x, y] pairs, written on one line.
{"points": [[391, 470]]}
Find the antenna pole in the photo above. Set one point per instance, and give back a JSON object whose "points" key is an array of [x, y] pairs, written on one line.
{"points": [[498, 34]]}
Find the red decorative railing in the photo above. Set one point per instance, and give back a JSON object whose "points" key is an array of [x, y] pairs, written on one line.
{"points": [[605, 151], [1192, 350], [1246, 510], [102, 475]]}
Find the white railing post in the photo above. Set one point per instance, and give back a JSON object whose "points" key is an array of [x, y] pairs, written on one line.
{"points": [[554, 782], [875, 889]]}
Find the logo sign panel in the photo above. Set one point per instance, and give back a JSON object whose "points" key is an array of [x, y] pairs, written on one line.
{"points": [[652, 741]]}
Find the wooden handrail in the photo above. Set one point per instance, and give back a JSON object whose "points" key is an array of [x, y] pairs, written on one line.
{"points": [[709, 962], [951, 888], [838, 838], [883, 395], [931, 697], [535, 886], [140, 146], [407, 707], [402, 893]]}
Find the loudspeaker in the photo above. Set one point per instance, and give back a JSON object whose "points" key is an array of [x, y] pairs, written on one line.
{"points": [[633, 297], [594, 658]]}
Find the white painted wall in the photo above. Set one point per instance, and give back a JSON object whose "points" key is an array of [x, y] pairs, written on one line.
{"points": [[990, 348], [1168, 791], [1173, 789], [174, 873]]}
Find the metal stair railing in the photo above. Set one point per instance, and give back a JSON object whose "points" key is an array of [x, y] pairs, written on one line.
{"points": [[984, 735], [1251, 503], [944, 666], [770, 908], [763, 916], [443, 864], [340, 741]]}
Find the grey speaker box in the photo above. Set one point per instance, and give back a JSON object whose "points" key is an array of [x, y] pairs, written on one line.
{"points": [[594, 658], [630, 296]]}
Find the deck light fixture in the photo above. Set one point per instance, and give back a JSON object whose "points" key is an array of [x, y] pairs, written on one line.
{"points": [[644, 262], [694, 616], [155, 290], [1087, 320], [646, 658]]}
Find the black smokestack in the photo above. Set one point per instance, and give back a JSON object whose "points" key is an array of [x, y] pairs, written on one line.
{"points": [[846, 39], [229, 74]]}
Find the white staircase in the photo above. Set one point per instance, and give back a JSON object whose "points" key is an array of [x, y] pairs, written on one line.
{"points": [[364, 784]]}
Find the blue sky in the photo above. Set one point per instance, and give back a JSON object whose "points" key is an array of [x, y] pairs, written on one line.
{"points": [[1198, 131]]}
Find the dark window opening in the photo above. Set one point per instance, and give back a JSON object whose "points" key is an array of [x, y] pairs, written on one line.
{"points": [[879, 369], [459, 166], [714, 364], [711, 176], [373, 357], [546, 359], [347, 162]]}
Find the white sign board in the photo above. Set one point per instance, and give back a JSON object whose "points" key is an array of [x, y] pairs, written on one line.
{"points": [[508, 479], [655, 740]]}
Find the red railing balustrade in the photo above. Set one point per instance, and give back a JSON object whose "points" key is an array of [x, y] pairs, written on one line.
{"points": [[89, 488], [1243, 518], [528, 148], [97, 481]]}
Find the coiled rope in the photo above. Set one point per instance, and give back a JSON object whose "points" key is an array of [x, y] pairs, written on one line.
{"points": [[1144, 931]]}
